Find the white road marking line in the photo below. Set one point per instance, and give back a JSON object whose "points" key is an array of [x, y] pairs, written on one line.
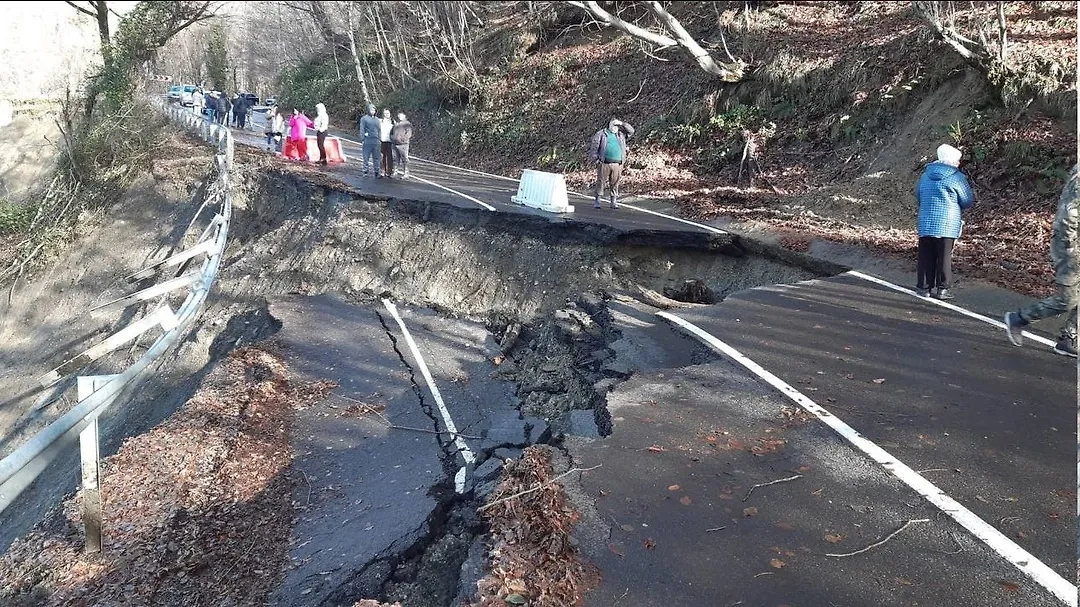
{"points": [[997, 323], [475, 172], [1020, 558], [453, 191], [466, 453]]}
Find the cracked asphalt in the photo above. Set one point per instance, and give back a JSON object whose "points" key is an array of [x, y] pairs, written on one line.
{"points": [[666, 518]]}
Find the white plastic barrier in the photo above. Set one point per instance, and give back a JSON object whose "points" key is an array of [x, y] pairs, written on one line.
{"points": [[6, 112], [544, 191]]}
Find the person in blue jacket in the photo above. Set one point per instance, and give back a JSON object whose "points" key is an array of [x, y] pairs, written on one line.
{"points": [[943, 193]]}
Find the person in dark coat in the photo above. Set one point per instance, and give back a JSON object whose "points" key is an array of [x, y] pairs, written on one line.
{"points": [[240, 108], [223, 107], [943, 193]]}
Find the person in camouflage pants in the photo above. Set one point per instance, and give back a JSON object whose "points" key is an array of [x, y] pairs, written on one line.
{"points": [[1065, 253]]}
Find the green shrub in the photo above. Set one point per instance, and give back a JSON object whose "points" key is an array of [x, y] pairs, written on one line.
{"points": [[15, 218]]}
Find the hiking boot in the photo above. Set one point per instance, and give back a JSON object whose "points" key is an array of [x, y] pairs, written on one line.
{"points": [[1066, 346], [921, 292], [943, 295], [1014, 328]]}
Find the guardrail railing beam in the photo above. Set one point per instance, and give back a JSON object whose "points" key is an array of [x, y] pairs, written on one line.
{"points": [[202, 248], [20, 468], [162, 316], [151, 292]]}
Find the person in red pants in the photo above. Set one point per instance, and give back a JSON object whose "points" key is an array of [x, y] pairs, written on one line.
{"points": [[298, 126]]}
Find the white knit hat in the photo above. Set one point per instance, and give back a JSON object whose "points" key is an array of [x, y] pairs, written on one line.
{"points": [[949, 155]]}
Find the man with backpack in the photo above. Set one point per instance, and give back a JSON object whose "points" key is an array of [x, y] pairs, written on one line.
{"points": [[608, 151]]}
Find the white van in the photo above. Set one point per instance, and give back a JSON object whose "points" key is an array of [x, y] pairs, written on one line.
{"points": [[185, 95]]}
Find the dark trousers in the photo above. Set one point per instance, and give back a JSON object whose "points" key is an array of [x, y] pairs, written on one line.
{"points": [[320, 141], [387, 151], [935, 262]]}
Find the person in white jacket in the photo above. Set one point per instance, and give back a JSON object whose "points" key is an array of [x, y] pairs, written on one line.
{"points": [[322, 123], [386, 147]]}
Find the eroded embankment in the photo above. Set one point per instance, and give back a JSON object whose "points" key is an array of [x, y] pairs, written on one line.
{"points": [[540, 288], [292, 236]]}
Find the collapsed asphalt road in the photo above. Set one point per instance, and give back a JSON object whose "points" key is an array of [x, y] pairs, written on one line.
{"points": [[541, 317], [994, 449]]}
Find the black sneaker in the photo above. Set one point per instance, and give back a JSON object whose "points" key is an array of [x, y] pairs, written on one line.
{"points": [[943, 295], [922, 292], [1014, 326], [1066, 347]]}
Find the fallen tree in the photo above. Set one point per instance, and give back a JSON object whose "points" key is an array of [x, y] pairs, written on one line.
{"points": [[673, 34]]}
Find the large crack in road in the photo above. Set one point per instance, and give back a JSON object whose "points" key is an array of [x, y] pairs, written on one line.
{"points": [[534, 330]]}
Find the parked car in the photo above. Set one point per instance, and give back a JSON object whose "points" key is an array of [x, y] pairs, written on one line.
{"points": [[271, 101], [251, 98], [174, 94], [185, 95]]}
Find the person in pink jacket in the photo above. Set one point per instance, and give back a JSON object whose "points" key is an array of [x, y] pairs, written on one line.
{"points": [[298, 126]]}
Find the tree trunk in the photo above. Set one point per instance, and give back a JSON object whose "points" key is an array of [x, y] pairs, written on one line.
{"points": [[356, 56]]}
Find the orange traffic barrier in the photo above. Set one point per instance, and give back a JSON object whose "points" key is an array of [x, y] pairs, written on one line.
{"points": [[309, 149]]}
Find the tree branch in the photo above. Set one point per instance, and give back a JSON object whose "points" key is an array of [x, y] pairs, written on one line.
{"points": [[81, 9], [728, 72]]}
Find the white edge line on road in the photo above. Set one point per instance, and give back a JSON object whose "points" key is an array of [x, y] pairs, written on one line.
{"points": [[453, 191], [1020, 558], [459, 479], [997, 323]]}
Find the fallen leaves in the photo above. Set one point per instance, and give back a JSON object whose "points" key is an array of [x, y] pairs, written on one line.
{"points": [[673, 488], [656, 449], [777, 563], [532, 554], [834, 538], [750, 512], [685, 500], [210, 484], [649, 543], [879, 380], [1009, 586]]}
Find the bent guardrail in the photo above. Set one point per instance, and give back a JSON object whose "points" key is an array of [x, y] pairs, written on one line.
{"points": [[95, 393]]}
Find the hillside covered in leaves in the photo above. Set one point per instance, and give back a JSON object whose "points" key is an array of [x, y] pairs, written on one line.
{"points": [[846, 102]]}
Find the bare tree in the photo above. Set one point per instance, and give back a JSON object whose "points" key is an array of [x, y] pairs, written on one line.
{"points": [[987, 52], [673, 34], [355, 55], [99, 11]]}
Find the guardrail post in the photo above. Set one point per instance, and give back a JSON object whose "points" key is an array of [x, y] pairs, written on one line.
{"points": [[91, 469]]}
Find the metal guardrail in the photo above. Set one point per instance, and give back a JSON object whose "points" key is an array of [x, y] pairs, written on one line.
{"points": [[95, 393]]}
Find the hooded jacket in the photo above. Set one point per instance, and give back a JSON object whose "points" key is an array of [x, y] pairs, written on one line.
{"points": [[368, 126], [943, 193], [1064, 244], [322, 121], [298, 126]]}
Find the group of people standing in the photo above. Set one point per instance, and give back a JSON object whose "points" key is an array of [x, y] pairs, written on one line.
{"points": [[944, 193], [385, 143], [220, 108]]}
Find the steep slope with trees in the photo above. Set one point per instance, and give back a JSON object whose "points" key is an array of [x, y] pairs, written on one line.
{"points": [[844, 102]]}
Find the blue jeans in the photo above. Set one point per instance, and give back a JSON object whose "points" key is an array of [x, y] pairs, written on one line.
{"points": [[373, 154]]}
